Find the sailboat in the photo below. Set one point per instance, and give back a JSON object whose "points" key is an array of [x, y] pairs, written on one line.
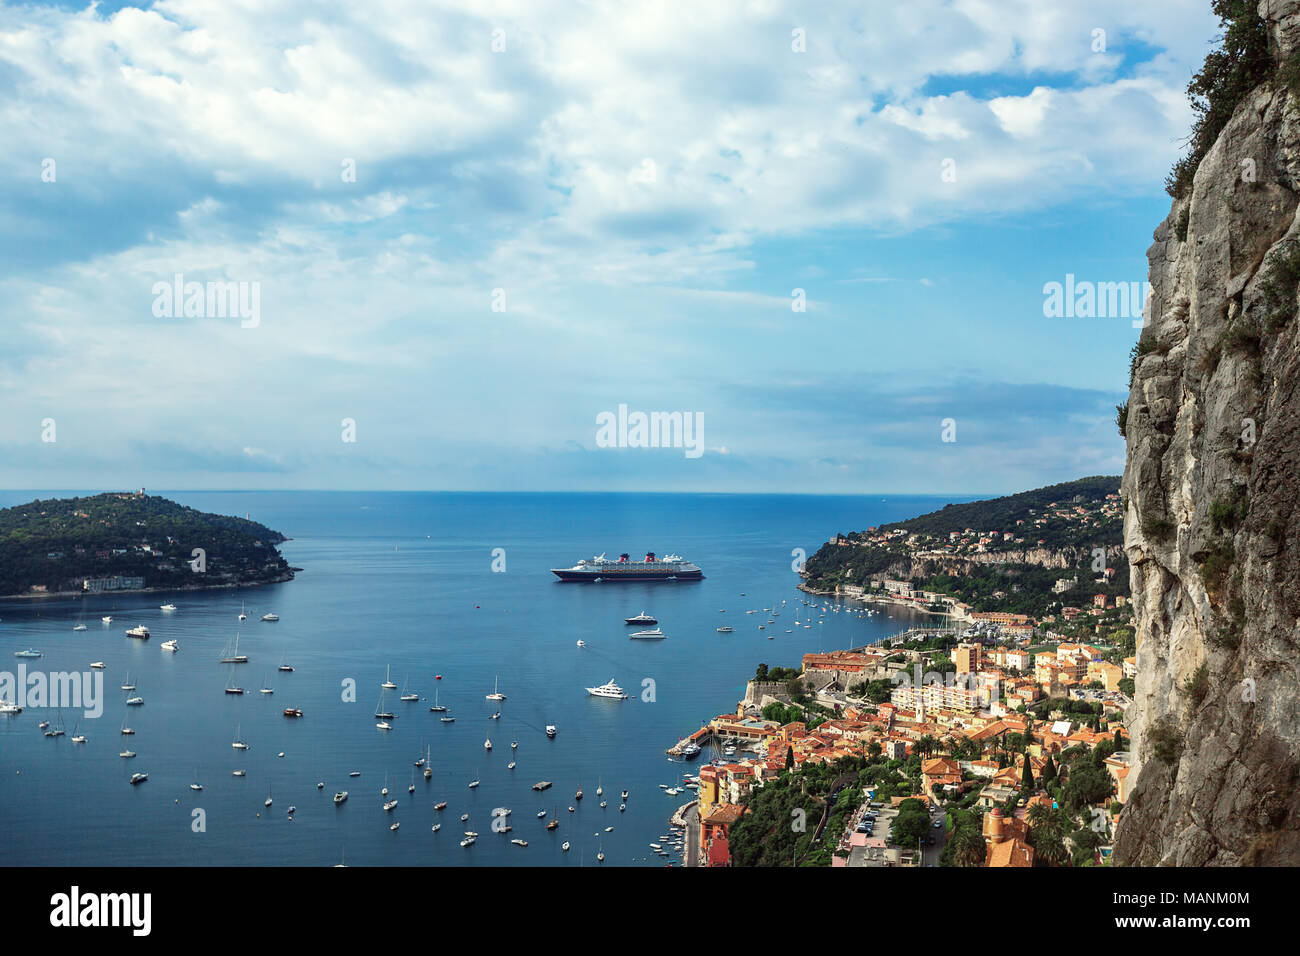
{"points": [[406, 694], [496, 694], [127, 683], [388, 680], [76, 737], [268, 796], [57, 729], [411, 788], [242, 615], [231, 654], [428, 764], [384, 791], [231, 686], [487, 744], [381, 712], [125, 728], [239, 743], [266, 686], [287, 668], [196, 785], [435, 707]]}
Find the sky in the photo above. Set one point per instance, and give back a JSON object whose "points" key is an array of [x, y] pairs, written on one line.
{"points": [[464, 232]]}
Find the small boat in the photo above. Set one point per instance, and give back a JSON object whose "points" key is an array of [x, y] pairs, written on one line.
{"points": [[127, 753], [511, 765], [388, 680], [107, 619], [624, 794], [514, 745], [140, 631], [447, 720], [286, 668], [268, 796], [127, 683], [468, 841], [266, 689], [437, 827], [406, 695], [355, 773], [381, 712], [383, 725], [411, 788], [291, 810], [550, 731], [134, 701], [29, 653], [320, 784], [542, 785], [238, 773], [340, 796], [496, 694], [565, 846], [436, 707], [292, 712], [518, 842], [622, 808], [167, 607], [138, 778], [77, 738], [390, 806], [725, 630], [125, 728], [239, 743], [582, 643], [170, 645], [270, 618], [440, 805], [98, 665], [395, 823], [80, 627], [464, 817], [473, 784], [487, 744]]}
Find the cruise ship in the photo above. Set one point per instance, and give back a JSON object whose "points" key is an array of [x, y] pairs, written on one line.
{"points": [[668, 568]]}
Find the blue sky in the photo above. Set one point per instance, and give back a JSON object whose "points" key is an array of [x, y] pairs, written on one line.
{"points": [[647, 186]]}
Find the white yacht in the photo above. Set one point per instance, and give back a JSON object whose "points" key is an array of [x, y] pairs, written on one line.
{"points": [[169, 645], [107, 619], [98, 665], [609, 689], [167, 607], [270, 618], [80, 627], [652, 634], [496, 694], [9, 707], [388, 680], [139, 631], [550, 731]]}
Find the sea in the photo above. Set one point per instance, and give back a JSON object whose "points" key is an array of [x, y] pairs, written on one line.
{"points": [[448, 594]]}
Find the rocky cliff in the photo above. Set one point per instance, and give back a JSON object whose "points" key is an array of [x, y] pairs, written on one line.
{"points": [[1212, 478]]}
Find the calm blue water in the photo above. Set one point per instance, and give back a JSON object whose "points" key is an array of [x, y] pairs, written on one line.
{"points": [[404, 580]]}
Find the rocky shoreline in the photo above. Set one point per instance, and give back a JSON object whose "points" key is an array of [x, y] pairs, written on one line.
{"points": [[29, 596]]}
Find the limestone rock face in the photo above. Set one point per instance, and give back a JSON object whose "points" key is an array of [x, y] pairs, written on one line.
{"points": [[1210, 488]]}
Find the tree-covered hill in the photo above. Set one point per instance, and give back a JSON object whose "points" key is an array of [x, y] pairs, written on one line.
{"points": [[1001, 514], [55, 544]]}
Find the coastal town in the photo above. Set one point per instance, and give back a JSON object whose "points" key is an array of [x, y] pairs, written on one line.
{"points": [[994, 738]]}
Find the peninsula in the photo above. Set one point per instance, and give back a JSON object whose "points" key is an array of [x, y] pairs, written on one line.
{"points": [[131, 541]]}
